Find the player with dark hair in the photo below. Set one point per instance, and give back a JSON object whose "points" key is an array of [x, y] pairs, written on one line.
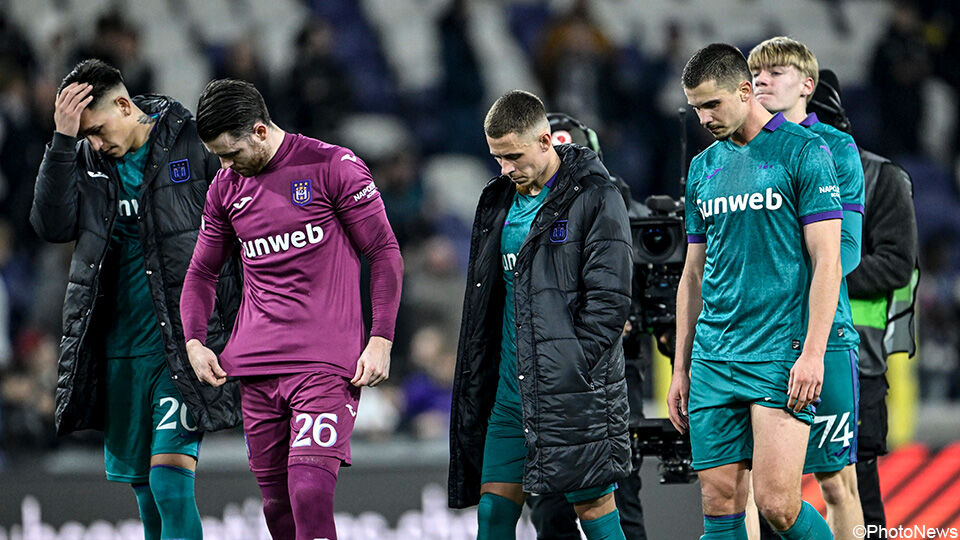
{"points": [[785, 73], [756, 300], [303, 212], [539, 398], [230, 107], [881, 292], [125, 178]]}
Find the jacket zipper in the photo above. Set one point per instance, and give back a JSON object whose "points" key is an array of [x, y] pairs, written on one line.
{"points": [[526, 241], [96, 278]]}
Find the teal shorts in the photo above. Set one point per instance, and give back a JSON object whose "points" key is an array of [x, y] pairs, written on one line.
{"points": [[721, 394], [145, 416], [833, 435], [505, 452]]}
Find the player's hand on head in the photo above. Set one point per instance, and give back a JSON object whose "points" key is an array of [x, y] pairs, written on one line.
{"points": [[373, 367], [806, 380], [677, 400], [71, 101], [205, 364]]}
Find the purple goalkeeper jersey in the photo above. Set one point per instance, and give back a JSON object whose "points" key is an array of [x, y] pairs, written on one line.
{"points": [[301, 294]]}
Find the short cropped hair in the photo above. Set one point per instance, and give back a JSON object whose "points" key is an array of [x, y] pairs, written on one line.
{"points": [[97, 73], [718, 62], [783, 51], [229, 106], [517, 111]]}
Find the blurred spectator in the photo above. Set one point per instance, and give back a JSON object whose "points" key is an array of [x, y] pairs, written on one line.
{"points": [[17, 279], [426, 390], [26, 122], [452, 183], [378, 416], [26, 393], [240, 60], [901, 63], [462, 88], [434, 282], [402, 192], [117, 42], [55, 36], [432, 295], [317, 96], [938, 301], [573, 61], [945, 30], [389, 149], [51, 268], [15, 50], [665, 126], [6, 251]]}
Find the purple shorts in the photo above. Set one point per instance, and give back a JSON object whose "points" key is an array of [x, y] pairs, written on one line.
{"points": [[297, 414]]}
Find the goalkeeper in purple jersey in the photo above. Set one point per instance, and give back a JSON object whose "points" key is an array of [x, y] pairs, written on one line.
{"points": [[303, 211]]}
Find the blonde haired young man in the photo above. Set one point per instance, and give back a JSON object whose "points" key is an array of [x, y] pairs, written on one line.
{"points": [[785, 74]]}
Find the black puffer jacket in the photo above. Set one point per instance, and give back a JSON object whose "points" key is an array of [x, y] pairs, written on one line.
{"points": [[76, 200], [572, 294]]}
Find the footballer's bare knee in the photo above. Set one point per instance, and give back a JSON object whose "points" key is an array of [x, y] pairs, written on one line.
{"points": [[778, 507], [596, 508], [838, 487], [508, 490], [723, 490], [183, 461]]}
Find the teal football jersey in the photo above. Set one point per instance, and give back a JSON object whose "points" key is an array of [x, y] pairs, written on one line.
{"points": [[132, 327], [749, 205], [846, 157], [515, 229]]}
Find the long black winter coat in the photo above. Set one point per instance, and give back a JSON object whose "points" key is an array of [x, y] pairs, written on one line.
{"points": [[572, 293], [76, 200]]}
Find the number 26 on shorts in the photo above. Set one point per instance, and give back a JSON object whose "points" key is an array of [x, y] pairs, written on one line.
{"points": [[324, 433]]}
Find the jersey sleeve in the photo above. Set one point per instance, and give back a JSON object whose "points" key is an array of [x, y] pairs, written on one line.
{"points": [[849, 175], [375, 239], [696, 228], [816, 183], [215, 226], [354, 193], [850, 180], [214, 244]]}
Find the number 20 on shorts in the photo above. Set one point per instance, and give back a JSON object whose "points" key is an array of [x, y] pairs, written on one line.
{"points": [[169, 420]]}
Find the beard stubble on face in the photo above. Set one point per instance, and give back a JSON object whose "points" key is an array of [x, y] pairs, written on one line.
{"points": [[258, 161], [524, 189]]}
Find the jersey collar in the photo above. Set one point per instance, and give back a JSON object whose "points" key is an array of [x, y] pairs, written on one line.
{"points": [[775, 122], [552, 179], [810, 120]]}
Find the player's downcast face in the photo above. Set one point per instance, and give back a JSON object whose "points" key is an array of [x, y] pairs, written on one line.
{"points": [[246, 155], [720, 110], [108, 127], [778, 88], [522, 157]]}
